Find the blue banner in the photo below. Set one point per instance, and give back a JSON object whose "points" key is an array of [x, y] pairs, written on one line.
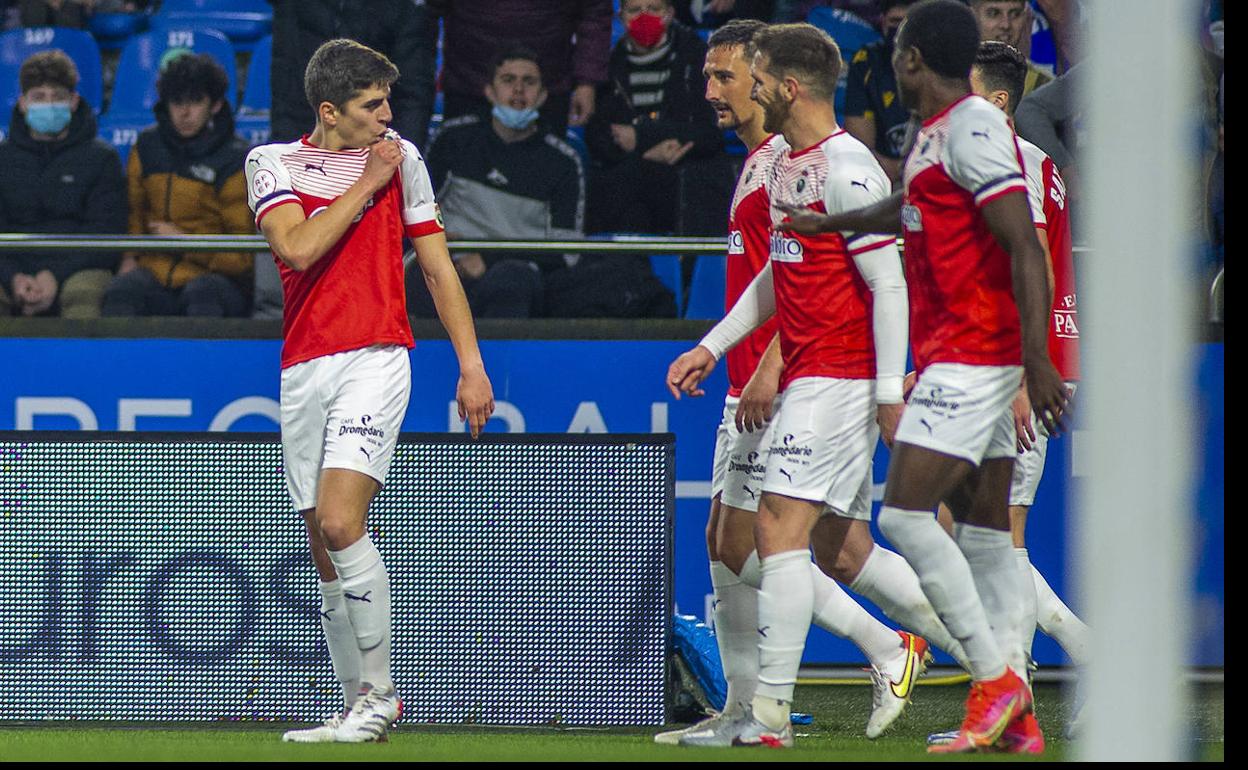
{"points": [[540, 386]]}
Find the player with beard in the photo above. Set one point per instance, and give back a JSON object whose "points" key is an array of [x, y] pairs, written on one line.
{"points": [[754, 371], [979, 301], [840, 302]]}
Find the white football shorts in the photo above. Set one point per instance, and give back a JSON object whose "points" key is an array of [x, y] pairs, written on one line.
{"points": [[740, 459], [1029, 466], [822, 443], [342, 411], [964, 411]]}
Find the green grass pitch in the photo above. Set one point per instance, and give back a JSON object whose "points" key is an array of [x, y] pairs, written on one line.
{"points": [[840, 715]]}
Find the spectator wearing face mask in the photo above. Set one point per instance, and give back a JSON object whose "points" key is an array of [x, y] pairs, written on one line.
{"points": [[653, 138], [58, 178], [505, 177]]}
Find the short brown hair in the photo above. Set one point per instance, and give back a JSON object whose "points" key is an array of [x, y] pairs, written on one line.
{"points": [[48, 68], [342, 68], [804, 52]]}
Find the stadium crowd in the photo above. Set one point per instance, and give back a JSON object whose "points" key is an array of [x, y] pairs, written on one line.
{"points": [[539, 120]]}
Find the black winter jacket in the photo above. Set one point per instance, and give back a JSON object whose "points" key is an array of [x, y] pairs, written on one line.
{"points": [[403, 30], [683, 114], [69, 186]]}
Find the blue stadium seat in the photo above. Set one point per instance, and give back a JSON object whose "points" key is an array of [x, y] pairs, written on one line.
{"points": [[575, 136], [18, 44], [666, 268], [244, 22], [134, 89], [122, 131], [253, 127], [706, 289], [112, 30], [257, 95], [850, 33]]}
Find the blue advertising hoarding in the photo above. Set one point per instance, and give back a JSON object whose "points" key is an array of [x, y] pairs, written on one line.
{"points": [[540, 386]]}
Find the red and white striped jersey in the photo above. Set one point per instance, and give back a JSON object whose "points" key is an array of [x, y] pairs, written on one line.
{"points": [[822, 302], [1047, 194], [353, 296], [962, 307], [749, 237]]}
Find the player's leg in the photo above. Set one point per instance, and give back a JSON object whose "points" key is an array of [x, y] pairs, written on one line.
{"points": [[845, 549], [736, 614], [303, 428], [367, 405], [785, 607]]}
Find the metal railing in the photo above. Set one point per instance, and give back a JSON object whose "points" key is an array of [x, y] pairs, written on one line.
{"points": [[619, 244]]}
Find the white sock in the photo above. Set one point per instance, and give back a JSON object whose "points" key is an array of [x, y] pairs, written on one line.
{"points": [[1056, 620], [784, 611], [366, 588], [836, 612], [752, 571], [1027, 586], [888, 580], [736, 631], [947, 582], [990, 554], [344, 653]]}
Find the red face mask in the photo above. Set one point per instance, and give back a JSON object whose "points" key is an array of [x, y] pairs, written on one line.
{"points": [[646, 29]]}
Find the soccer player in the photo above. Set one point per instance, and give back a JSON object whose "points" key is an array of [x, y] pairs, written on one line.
{"points": [[979, 301], [998, 76], [754, 372], [334, 206], [819, 445]]}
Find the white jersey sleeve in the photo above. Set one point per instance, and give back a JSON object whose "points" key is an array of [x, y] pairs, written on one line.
{"points": [[1033, 169], [981, 153], [421, 215], [268, 181], [855, 180]]}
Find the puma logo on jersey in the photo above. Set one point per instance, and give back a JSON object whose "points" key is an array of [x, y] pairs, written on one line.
{"points": [[980, 134], [862, 184], [313, 167]]}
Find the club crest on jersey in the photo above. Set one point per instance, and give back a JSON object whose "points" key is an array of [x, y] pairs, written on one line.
{"points": [[911, 218], [786, 249], [736, 242]]}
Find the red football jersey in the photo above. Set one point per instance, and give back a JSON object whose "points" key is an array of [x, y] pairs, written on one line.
{"points": [[749, 231], [353, 296], [822, 302], [1047, 193], [962, 307]]}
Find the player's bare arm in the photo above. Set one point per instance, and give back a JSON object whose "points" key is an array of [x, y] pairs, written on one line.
{"points": [[300, 242], [883, 217], [754, 307], [473, 393], [1009, 219], [759, 394]]}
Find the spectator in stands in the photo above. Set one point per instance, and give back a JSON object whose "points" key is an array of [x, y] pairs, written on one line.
{"points": [[1010, 21], [715, 13], [505, 177], [651, 128], [185, 176], [873, 113], [403, 30], [572, 39], [58, 178], [799, 10], [55, 13]]}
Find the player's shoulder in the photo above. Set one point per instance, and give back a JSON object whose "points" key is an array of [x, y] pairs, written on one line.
{"points": [[270, 153], [976, 122], [1033, 156], [849, 159]]}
